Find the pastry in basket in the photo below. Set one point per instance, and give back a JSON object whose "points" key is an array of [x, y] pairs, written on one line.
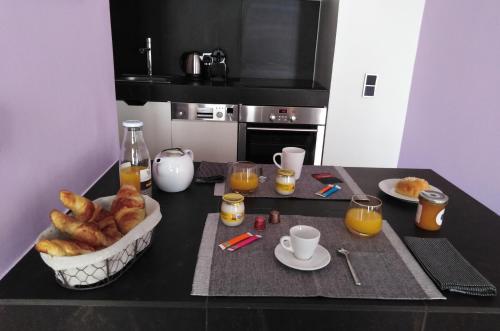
{"points": [[88, 233], [128, 197], [128, 218], [83, 209], [107, 224], [128, 208], [59, 247], [92, 227], [411, 186]]}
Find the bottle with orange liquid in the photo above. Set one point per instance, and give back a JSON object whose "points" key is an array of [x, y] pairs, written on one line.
{"points": [[135, 165]]}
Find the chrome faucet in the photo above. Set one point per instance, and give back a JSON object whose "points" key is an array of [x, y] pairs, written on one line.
{"points": [[149, 61]]}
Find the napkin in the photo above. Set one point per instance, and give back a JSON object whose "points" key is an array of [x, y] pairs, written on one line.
{"points": [[448, 268], [210, 172]]}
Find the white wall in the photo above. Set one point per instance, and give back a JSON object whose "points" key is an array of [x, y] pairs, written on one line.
{"points": [[378, 37]]}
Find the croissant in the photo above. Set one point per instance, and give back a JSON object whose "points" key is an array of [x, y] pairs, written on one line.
{"points": [[83, 209], [127, 197], [88, 233], [107, 225], [58, 247], [128, 218], [103, 213]]}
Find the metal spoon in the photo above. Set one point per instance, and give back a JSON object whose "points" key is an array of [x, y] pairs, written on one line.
{"points": [[345, 252]]}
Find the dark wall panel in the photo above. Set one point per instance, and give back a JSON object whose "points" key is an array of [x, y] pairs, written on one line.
{"points": [[201, 25], [175, 27], [262, 38], [279, 38]]}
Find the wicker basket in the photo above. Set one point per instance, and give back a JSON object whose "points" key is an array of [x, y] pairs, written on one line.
{"points": [[102, 267]]}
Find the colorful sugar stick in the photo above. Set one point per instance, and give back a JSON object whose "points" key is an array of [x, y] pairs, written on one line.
{"points": [[331, 191], [235, 240], [324, 189], [245, 242]]}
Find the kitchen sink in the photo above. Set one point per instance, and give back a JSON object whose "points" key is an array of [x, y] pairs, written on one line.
{"points": [[145, 78]]}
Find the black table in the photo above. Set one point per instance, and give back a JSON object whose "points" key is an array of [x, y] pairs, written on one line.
{"points": [[155, 292]]}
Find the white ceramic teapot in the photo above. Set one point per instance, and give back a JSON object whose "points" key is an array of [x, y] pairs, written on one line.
{"points": [[173, 169]]}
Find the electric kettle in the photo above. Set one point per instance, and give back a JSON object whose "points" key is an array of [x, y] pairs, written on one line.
{"points": [[173, 169], [192, 64]]}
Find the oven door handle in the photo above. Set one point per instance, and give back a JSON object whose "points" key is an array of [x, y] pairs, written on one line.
{"points": [[253, 128]]}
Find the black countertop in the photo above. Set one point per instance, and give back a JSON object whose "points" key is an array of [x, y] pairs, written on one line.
{"points": [[247, 91], [155, 293]]}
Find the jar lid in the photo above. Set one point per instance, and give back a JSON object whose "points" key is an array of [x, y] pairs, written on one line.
{"points": [[286, 172], [233, 198], [434, 197], [132, 124]]}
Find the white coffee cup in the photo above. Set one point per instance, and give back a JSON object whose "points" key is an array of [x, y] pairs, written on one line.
{"points": [[291, 158], [302, 241]]}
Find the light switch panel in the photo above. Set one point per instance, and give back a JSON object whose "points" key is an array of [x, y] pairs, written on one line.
{"points": [[369, 85], [369, 91]]}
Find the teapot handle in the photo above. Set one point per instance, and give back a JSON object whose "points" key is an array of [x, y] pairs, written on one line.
{"points": [[190, 153]]}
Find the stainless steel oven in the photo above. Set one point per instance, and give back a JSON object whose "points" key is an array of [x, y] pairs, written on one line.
{"points": [[265, 130]]}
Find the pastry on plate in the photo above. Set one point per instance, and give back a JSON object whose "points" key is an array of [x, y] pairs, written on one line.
{"points": [[411, 186]]}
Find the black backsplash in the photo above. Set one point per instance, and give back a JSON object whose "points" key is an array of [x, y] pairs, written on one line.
{"points": [[261, 38]]}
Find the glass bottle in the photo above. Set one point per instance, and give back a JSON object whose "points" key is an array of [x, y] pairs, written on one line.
{"points": [[135, 163]]}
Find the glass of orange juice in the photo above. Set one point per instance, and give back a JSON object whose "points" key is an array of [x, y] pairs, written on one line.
{"points": [[243, 177], [364, 215]]}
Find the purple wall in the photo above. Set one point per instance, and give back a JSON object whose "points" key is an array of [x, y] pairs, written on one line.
{"points": [[453, 119], [57, 111]]}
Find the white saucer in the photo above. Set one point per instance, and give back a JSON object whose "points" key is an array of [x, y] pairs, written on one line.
{"points": [[388, 186], [319, 260]]}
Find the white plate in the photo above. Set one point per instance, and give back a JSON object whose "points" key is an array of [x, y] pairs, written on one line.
{"points": [[319, 260], [388, 186]]}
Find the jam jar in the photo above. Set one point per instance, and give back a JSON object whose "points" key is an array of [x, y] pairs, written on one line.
{"points": [[431, 207], [285, 181], [232, 209]]}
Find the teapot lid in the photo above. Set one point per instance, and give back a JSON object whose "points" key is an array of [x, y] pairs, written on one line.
{"points": [[173, 152]]}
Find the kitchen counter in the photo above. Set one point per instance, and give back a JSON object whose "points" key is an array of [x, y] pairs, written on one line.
{"points": [[277, 92], [155, 293]]}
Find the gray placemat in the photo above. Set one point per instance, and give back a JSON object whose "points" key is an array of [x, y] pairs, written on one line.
{"points": [[384, 265], [305, 187], [449, 269]]}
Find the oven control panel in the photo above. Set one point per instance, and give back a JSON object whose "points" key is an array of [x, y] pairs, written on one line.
{"points": [[282, 115]]}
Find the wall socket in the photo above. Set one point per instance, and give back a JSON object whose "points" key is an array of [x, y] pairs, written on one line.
{"points": [[369, 85]]}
